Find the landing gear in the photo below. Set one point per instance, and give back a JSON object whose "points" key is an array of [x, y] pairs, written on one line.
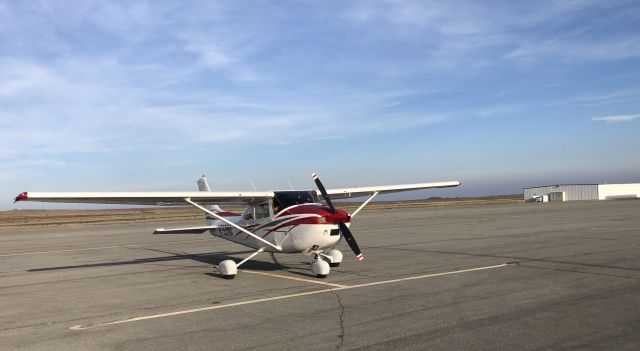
{"points": [[228, 269], [334, 257], [323, 261], [320, 267]]}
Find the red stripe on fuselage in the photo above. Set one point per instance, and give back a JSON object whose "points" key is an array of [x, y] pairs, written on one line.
{"points": [[227, 214], [341, 216], [222, 214], [297, 221]]}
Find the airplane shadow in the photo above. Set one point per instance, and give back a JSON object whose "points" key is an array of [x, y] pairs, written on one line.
{"points": [[208, 258]]}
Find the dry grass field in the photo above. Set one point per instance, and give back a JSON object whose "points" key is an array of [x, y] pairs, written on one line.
{"points": [[43, 218]]}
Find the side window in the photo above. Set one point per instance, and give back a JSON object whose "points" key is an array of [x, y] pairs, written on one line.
{"points": [[262, 210], [256, 211], [248, 213]]}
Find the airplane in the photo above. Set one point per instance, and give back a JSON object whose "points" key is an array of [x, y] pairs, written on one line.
{"points": [[290, 221]]}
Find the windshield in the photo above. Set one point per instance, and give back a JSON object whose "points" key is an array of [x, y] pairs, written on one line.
{"points": [[284, 199]]}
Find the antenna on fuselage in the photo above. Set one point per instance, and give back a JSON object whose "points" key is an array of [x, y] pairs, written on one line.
{"points": [[288, 182], [253, 185]]}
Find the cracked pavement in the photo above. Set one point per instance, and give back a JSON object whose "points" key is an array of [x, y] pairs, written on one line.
{"points": [[575, 285]]}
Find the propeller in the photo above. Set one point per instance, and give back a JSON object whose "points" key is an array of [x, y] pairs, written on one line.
{"points": [[344, 230]]}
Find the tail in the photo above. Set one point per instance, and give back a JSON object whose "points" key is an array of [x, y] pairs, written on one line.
{"points": [[203, 185]]}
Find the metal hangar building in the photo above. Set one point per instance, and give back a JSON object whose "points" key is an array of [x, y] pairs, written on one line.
{"points": [[572, 192]]}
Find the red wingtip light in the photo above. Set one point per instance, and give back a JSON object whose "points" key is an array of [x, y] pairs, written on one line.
{"points": [[22, 196], [314, 176]]}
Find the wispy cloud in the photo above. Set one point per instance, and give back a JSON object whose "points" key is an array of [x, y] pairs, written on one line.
{"points": [[476, 36], [617, 118], [37, 163], [601, 98], [82, 80], [578, 50], [76, 113]]}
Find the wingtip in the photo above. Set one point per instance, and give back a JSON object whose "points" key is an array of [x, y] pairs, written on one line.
{"points": [[314, 176], [22, 196], [360, 257]]}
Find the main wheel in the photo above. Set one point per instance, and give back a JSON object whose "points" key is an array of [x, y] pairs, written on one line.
{"points": [[228, 269], [320, 268]]}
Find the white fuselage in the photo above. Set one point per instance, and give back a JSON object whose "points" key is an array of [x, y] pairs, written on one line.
{"points": [[293, 232]]}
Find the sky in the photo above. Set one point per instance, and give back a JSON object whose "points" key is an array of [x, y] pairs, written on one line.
{"points": [[147, 96]]}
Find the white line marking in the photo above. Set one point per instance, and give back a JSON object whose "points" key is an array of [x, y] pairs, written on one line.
{"points": [[425, 276], [282, 297], [296, 278], [101, 248], [616, 228]]}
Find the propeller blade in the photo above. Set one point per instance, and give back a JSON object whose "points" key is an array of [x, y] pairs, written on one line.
{"points": [[344, 230], [351, 241], [323, 191]]}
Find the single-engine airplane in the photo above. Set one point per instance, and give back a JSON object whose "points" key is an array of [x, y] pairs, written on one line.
{"points": [[275, 221]]}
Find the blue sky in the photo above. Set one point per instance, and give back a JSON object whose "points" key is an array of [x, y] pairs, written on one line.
{"points": [[132, 95]]}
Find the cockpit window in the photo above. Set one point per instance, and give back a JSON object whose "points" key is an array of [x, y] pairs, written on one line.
{"points": [[262, 210], [256, 211], [284, 199]]}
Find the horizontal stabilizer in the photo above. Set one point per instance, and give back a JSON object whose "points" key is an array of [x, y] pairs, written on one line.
{"points": [[192, 230]]}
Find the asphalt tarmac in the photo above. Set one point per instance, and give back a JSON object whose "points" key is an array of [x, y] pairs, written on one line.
{"points": [[497, 277]]}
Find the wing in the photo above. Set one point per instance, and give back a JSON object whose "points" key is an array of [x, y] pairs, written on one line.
{"points": [[384, 189], [147, 198], [205, 197]]}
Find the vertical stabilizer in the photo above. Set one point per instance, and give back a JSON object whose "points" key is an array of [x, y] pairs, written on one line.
{"points": [[203, 185]]}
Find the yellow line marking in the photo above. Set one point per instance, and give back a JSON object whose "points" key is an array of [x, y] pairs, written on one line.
{"points": [[296, 278], [282, 297], [101, 248]]}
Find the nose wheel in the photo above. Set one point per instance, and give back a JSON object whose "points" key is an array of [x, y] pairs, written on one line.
{"points": [[334, 257], [320, 267], [323, 261]]}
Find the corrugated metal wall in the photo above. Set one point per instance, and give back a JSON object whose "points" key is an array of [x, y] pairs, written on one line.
{"points": [[572, 192]]}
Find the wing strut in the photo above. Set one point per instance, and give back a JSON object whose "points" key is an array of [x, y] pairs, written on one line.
{"points": [[250, 257], [364, 204], [188, 200]]}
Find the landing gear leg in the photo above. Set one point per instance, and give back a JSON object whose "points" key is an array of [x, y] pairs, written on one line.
{"points": [[274, 259], [229, 268]]}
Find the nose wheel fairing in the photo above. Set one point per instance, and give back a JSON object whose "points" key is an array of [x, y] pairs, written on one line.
{"points": [[306, 236]]}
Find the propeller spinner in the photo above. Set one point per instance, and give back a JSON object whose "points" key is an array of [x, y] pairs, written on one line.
{"points": [[344, 230]]}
